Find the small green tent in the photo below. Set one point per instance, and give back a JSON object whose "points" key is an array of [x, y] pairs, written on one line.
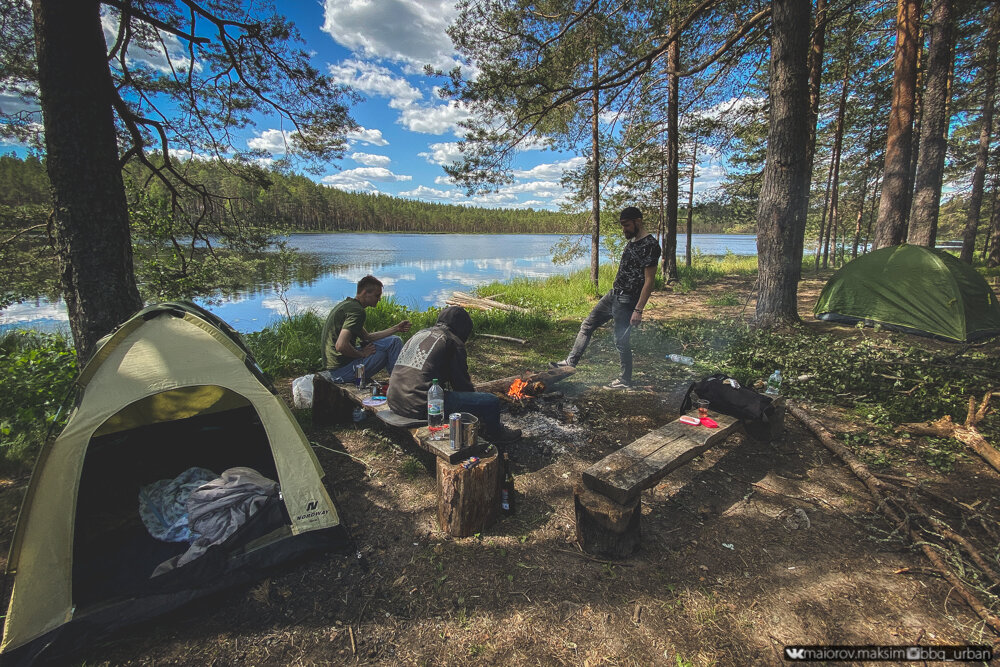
{"points": [[912, 289]]}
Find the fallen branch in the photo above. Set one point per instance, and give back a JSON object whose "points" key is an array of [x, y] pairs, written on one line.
{"points": [[468, 301], [506, 338], [874, 486], [966, 433]]}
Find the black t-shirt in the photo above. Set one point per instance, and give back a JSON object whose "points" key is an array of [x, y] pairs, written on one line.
{"points": [[637, 256]]}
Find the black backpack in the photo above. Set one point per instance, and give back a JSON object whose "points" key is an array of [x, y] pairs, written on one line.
{"points": [[731, 398]]}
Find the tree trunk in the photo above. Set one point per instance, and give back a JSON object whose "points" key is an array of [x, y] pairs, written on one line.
{"points": [[694, 167], [894, 206], [985, 137], [821, 249], [595, 234], [991, 250], [92, 234], [934, 130], [784, 197], [816, 75], [469, 498], [838, 144], [673, 100]]}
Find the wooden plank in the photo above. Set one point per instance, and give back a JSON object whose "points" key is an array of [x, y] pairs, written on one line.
{"points": [[442, 448], [622, 475]]}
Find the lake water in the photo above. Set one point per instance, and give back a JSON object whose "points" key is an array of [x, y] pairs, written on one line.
{"points": [[418, 270]]}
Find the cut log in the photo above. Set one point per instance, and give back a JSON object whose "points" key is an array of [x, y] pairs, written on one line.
{"points": [[469, 301], [547, 377], [469, 498], [330, 406], [605, 528]]}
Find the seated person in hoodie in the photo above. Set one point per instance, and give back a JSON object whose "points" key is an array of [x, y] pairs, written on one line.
{"points": [[438, 352]]}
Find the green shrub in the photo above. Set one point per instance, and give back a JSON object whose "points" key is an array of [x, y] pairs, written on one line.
{"points": [[38, 371]]}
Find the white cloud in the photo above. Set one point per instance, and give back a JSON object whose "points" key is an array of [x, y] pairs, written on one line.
{"points": [[552, 171], [444, 180], [375, 80], [367, 136], [370, 160], [362, 177], [442, 153], [273, 141], [169, 56], [407, 31], [424, 192], [433, 120]]}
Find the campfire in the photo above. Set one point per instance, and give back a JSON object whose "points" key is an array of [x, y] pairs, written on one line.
{"points": [[522, 389]]}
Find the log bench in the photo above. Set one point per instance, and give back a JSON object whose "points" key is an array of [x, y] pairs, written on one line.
{"points": [[468, 498], [607, 498]]}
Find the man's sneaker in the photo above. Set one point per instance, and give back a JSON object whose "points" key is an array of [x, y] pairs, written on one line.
{"points": [[619, 384], [560, 364], [505, 435]]}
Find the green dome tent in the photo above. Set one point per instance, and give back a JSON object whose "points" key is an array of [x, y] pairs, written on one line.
{"points": [[912, 289]]}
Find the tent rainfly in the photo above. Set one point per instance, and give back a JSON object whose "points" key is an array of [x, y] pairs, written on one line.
{"points": [[172, 388], [913, 289]]}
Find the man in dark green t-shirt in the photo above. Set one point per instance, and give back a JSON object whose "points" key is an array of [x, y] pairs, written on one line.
{"points": [[346, 343]]}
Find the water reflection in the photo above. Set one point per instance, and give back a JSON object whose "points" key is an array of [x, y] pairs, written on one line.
{"points": [[418, 270]]}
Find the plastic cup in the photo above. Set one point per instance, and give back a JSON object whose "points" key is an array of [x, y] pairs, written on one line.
{"points": [[702, 406]]}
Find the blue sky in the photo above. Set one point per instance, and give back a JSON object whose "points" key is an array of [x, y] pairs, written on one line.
{"points": [[379, 48]]}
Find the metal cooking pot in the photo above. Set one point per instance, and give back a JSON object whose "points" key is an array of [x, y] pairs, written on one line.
{"points": [[467, 433]]}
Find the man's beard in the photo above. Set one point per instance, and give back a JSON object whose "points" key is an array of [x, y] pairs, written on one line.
{"points": [[631, 234]]}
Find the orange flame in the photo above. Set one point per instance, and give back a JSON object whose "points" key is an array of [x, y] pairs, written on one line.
{"points": [[517, 389]]}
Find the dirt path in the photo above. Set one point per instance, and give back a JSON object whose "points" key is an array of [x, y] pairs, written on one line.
{"points": [[728, 574]]}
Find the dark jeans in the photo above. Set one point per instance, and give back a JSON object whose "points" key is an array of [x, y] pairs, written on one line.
{"points": [[483, 405], [618, 307]]}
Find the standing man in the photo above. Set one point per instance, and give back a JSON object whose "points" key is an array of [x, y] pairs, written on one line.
{"points": [[438, 353], [346, 343], [626, 300]]}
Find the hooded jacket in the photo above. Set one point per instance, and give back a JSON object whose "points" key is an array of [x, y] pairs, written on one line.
{"points": [[437, 352]]}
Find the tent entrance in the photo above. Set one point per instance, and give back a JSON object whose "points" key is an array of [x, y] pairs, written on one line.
{"points": [[113, 552]]}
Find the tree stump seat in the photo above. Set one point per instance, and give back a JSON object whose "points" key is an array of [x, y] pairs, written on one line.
{"points": [[468, 498], [607, 497]]}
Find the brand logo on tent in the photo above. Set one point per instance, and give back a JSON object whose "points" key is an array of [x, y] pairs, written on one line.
{"points": [[311, 506]]}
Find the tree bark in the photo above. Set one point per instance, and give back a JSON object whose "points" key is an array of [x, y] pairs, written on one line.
{"points": [[595, 140], [985, 137], [469, 498], [816, 75], [673, 100], [821, 248], [838, 144], [784, 197], [92, 234], [690, 211], [894, 206], [933, 129]]}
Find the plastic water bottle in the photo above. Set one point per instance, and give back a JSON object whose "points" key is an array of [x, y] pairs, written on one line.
{"points": [[774, 383], [358, 414], [435, 407], [681, 359]]}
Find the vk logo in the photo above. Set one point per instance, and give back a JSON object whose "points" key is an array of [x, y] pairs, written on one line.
{"points": [[312, 505], [795, 653]]}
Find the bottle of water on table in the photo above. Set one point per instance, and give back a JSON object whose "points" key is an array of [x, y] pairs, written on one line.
{"points": [[774, 383], [435, 410]]}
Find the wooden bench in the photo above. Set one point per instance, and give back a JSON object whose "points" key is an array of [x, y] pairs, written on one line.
{"points": [[607, 498]]}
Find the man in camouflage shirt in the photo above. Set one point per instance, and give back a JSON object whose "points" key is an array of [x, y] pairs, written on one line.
{"points": [[626, 300]]}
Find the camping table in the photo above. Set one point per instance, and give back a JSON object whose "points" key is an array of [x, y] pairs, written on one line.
{"points": [[468, 498]]}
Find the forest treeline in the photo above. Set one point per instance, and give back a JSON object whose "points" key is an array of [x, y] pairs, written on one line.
{"points": [[293, 202]]}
